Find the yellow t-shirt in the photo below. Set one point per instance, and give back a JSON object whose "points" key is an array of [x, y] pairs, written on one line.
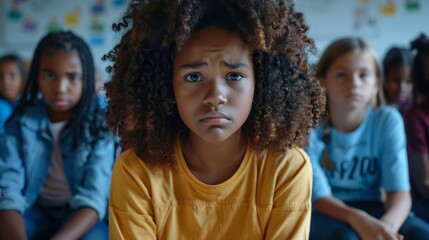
{"points": [[269, 197]]}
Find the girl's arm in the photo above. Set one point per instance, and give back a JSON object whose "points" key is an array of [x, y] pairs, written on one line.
{"points": [[291, 213], [79, 224], [397, 208], [364, 224], [419, 170], [131, 214], [92, 189], [12, 225]]}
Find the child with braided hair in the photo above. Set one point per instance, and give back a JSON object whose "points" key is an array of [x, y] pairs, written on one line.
{"points": [[56, 153], [213, 100], [417, 128]]}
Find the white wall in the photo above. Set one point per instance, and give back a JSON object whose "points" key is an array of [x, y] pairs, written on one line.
{"points": [[328, 20], [379, 25]]}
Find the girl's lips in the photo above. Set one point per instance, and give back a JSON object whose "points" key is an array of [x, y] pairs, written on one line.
{"points": [[216, 120], [215, 117], [60, 103]]}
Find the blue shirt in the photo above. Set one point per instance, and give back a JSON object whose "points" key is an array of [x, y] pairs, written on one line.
{"points": [[6, 110], [369, 158], [26, 149]]}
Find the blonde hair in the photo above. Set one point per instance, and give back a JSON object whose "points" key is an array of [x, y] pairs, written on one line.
{"points": [[333, 52], [347, 45]]}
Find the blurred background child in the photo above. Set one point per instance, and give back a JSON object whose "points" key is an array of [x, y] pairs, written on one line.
{"points": [[357, 151], [397, 86], [56, 153], [417, 127], [13, 74]]}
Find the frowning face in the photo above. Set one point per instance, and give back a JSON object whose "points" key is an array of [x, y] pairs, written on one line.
{"points": [[11, 80], [60, 81], [214, 84], [351, 81]]}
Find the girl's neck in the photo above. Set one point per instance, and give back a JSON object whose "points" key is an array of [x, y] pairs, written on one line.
{"points": [[346, 121], [58, 116], [214, 163]]}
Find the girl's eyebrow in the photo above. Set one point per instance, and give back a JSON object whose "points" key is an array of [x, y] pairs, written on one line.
{"points": [[235, 65], [68, 73], [193, 65], [229, 65]]}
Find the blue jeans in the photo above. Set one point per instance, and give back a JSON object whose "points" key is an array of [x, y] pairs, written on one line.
{"points": [[421, 209], [42, 222], [324, 227]]}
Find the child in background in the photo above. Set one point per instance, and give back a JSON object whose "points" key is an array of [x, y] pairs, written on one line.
{"points": [[357, 151], [397, 86], [13, 74], [56, 153], [417, 127], [99, 89], [213, 99]]}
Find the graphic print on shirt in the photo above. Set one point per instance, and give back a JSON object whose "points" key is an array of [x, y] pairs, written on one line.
{"points": [[355, 170]]}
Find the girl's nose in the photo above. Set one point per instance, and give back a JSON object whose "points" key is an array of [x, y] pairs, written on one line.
{"points": [[405, 86], [62, 85], [355, 80], [216, 93]]}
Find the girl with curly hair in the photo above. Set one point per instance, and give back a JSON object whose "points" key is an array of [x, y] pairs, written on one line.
{"points": [[357, 152], [57, 151], [214, 100], [417, 127]]}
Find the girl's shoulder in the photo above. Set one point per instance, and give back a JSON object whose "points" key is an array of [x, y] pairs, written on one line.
{"points": [[31, 115], [292, 158], [385, 114], [5, 106]]}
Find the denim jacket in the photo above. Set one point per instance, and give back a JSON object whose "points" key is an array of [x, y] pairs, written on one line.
{"points": [[26, 149]]}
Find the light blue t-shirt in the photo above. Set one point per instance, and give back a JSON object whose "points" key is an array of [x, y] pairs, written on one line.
{"points": [[6, 110], [371, 157]]}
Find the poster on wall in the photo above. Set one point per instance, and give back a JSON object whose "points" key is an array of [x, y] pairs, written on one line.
{"points": [[352, 17], [25, 22]]}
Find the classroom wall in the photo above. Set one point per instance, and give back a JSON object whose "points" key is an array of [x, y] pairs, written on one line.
{"points": [[24, 22], [383, 23]]}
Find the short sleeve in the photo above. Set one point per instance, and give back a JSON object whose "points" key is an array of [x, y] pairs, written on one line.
{"points": [[393, 151], [321, 187], [130, 208]]}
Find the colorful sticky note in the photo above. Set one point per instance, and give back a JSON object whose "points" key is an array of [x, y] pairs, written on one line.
{"points": [[118, 3], [53, 25], [412, 5], [388, 8], [14, 15], [97, 40], [72, 18], [29, 25]]}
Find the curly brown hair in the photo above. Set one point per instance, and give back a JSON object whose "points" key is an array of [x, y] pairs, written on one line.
{"points": [[288, 100]]}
